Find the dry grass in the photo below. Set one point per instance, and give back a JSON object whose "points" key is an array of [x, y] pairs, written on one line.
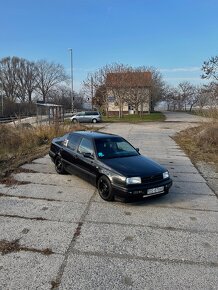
{"points": [[200, 143], [209, 112], [20, 144], [7, 247]]}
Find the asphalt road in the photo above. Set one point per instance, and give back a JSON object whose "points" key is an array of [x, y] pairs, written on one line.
{"points": [[71, 239]]}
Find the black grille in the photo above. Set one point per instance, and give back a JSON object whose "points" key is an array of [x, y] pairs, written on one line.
{"points": [[152, 178]]}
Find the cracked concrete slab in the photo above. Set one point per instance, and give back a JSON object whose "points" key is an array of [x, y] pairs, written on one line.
{"points": [[38, 209], [42, 168], [151, 216], [55, 235], [191, 188], [145, 242], [182, 169], [49, 192], [163, 243], [89, 271], [26, 270], [52, 179], [187, 177]]}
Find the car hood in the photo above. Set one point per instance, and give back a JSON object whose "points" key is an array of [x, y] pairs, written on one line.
{"points": [[134, 166]]}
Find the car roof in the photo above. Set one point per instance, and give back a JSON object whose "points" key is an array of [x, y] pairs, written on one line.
{"points": [[86, 112], [94, 135]]}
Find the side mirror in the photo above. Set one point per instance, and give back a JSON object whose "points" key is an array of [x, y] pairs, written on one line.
{"points": [[88, 155]]}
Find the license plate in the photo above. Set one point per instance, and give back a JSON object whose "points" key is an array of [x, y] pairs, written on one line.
{"points": [[155, 190]]}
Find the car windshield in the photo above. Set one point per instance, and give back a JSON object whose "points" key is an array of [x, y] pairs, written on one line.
{"points": [[113, 148]]}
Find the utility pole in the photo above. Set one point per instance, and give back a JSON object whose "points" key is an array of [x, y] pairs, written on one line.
{"points": [[71, 70], [92, 91]]}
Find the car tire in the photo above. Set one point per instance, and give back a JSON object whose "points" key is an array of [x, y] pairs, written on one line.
{"points": [[59, 167], [105, 188], [94, 121], [74, 121]]}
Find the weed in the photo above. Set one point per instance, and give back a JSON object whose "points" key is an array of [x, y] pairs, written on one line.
{"points": [[209, 112], [7, 247], [200, 143], [21, 144]]}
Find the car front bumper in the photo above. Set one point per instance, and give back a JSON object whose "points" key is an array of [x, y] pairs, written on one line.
{"points": [[142, 190]]}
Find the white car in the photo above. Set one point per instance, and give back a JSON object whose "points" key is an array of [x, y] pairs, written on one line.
{"points": [[86, 117]]}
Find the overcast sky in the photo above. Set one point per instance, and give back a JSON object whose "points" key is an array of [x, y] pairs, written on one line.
{"points": [[175, 36]]}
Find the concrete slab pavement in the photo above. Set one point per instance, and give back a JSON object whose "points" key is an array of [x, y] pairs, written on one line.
{"points": [[163, 243]]}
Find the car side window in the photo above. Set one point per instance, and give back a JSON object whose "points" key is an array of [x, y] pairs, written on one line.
{"points": [[86, 146], [81, 114], [73, 141]]}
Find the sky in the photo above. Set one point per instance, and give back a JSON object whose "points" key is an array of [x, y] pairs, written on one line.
{"points": [[174, 36]]}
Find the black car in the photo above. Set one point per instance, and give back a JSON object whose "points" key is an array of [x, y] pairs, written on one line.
{"points": [[114, 165]]}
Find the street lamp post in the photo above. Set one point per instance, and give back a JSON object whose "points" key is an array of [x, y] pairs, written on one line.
{"points": [[2, 105], [92, 91], [71, 70]]}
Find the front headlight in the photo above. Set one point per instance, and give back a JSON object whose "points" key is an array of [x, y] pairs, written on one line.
{"points": [[133, 180], [166, 175]]}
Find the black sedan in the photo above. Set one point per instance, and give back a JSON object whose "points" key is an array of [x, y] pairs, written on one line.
{"points": [[115, 166]]}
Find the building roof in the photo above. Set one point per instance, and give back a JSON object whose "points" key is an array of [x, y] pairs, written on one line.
{"points": [[129, 79]]}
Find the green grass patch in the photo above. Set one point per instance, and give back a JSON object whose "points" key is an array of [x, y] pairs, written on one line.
{"points": [[152, 117]]}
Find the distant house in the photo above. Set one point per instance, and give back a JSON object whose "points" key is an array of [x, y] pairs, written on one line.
{"points": [[128, 92]]}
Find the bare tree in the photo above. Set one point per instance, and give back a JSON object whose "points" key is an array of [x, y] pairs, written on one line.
{"points": [[137, 88], [157, 85], [100, 97], [60, 95], [79, 100], [123, 83], [170, 96], [100, 79], [177, 98], [8, 77], [18, 78], [49, 75], [25, 79], [193, 97], [28, 77], [185, 93], [210, 94], [210, 69]]}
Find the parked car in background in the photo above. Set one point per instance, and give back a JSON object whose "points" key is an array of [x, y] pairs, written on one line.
{"points": [[112, 163], [86, 117]]}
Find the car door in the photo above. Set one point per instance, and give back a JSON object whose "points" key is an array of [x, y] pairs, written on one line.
{"points": [[81, 117], [87, 117], [69, 152], [86, 158]]}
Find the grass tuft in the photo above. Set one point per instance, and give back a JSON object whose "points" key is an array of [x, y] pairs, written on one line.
{"points": [[22, 144], [200, 143]]}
